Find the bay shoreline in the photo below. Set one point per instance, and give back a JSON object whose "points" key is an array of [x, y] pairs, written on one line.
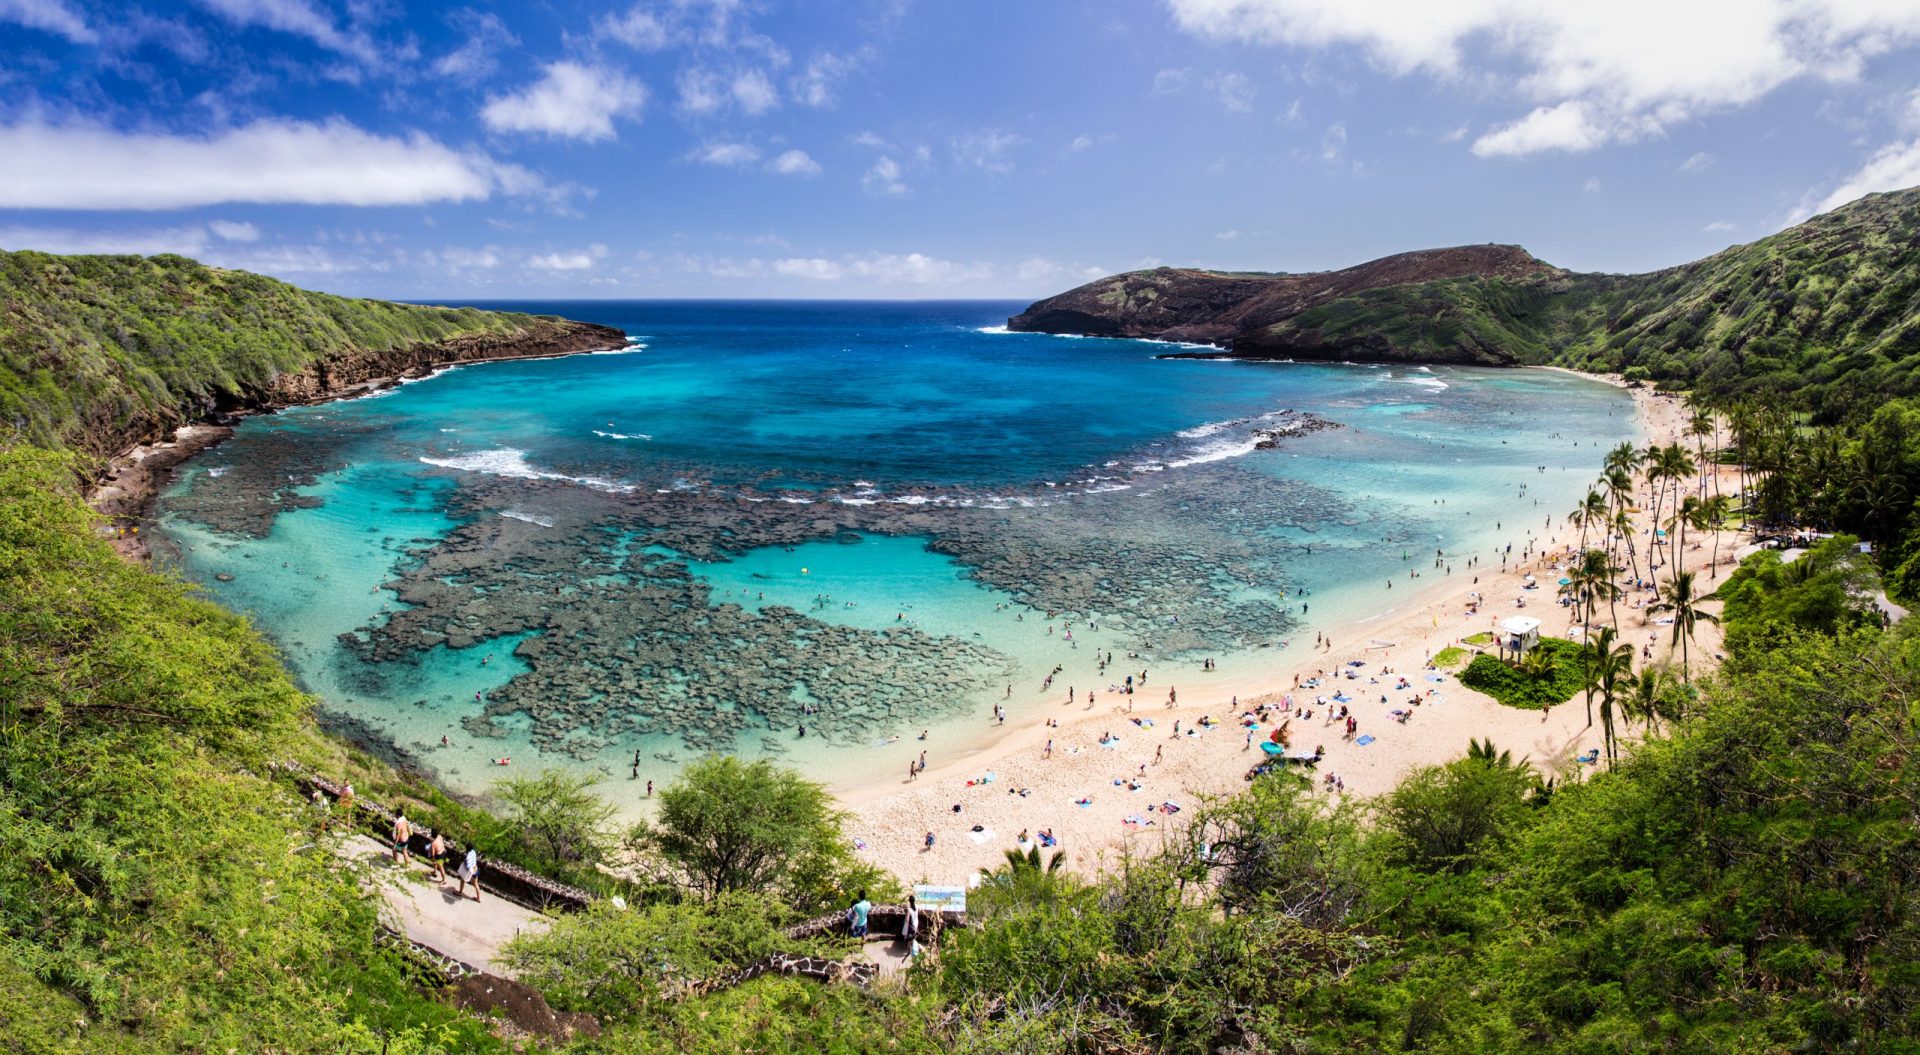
{"points": [[889, 816]]}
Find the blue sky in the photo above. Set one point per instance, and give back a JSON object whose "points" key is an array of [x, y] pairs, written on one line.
{"points": [[891, 148]]}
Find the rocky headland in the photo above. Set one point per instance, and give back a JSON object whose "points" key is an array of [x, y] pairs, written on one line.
{"points": [[1247, 314]]}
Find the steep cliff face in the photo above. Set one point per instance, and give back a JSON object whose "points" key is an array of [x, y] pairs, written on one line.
{"points": [[1225, 308], [330, 376]]}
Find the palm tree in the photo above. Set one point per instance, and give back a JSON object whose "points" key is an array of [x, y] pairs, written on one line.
{"points": [[1623, 523], [1688, 513], [1592, 579], [1537, 664], [1643, 695], [1611, 667], [1680, 599], [1700, 426], [1027, 874], [1591, 510], [1484, 751], [1713, 515]]}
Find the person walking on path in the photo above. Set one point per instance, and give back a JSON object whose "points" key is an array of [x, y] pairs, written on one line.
{"points": [[437, 857], [469, 873], [402, 836], [346, 805]]}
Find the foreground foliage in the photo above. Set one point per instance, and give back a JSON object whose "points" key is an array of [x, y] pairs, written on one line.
{"points": [[154, 893]]}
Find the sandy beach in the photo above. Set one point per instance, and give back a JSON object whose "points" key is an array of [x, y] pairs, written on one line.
{"points": [[1126, 782]]}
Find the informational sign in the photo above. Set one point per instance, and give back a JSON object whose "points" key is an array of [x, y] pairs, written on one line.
{"points": [[941, 898]]}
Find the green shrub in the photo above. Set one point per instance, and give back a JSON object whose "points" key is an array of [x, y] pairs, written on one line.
{"points": [[1510, 685]]}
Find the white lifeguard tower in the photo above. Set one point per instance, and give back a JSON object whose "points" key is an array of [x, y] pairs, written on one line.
{"points": [[1520, 633]]}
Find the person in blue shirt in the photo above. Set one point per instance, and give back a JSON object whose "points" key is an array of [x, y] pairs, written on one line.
{"points": [[857, 915]]}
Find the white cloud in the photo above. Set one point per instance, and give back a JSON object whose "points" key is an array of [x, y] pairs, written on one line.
{"points": [[754, 92], [1591, 186], [726, 155], [1568, 127], [884, 177], [795, 163], [700, 91], [1719, 226], [52, 16], [1233, 90], [884, 269], [814, 85], [486, 35], [1598, 73], [1699, 162], [578, 260], [1895, 166], [570, 100], [458, 257], [300, 19], [1226, 236], [1333, 144], [270, 162], [638, 28], [1170, 81], [817, 268], [188, 241], [986, 149], [233, 231], [1080, 142]]}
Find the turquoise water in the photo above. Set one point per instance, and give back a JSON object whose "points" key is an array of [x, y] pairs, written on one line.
{"points": [[864, 520]]}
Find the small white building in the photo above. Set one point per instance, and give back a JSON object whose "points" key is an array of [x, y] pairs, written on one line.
{"points": [[1520, 633]]}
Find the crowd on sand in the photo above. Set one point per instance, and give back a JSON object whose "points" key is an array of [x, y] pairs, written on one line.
{"points": [[1089, 772]]}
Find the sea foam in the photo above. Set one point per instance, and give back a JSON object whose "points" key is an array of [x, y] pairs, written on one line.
{"points": [[513, 463]]}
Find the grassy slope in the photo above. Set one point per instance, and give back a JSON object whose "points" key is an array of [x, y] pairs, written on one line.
{"points": [[156, 892], [97, 346], [1828, 311]]}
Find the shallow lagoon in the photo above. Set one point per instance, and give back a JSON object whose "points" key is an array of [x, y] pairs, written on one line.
{"points": [[868, 519]]}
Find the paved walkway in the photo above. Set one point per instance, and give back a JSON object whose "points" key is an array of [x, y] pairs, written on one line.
{"points": [[429, 913]]}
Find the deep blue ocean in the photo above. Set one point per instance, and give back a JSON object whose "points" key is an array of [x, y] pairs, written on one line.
{"points": [[863, 520]]}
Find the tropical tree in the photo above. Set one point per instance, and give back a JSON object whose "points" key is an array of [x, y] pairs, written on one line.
{"points": [[1483, 751], [557, 817], [1591, 512], [1611, 664], [1686, 513], [1644, 694], [1714, 513], [1699, 426], [1678, 597], [728, 825]]}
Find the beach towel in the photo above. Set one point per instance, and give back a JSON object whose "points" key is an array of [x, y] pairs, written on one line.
{"points": [[981, 836], [1365, 740], [1083, 802]]}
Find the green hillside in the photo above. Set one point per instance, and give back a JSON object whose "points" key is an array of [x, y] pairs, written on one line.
{"points": [[1824, 313], [97, 352]]}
